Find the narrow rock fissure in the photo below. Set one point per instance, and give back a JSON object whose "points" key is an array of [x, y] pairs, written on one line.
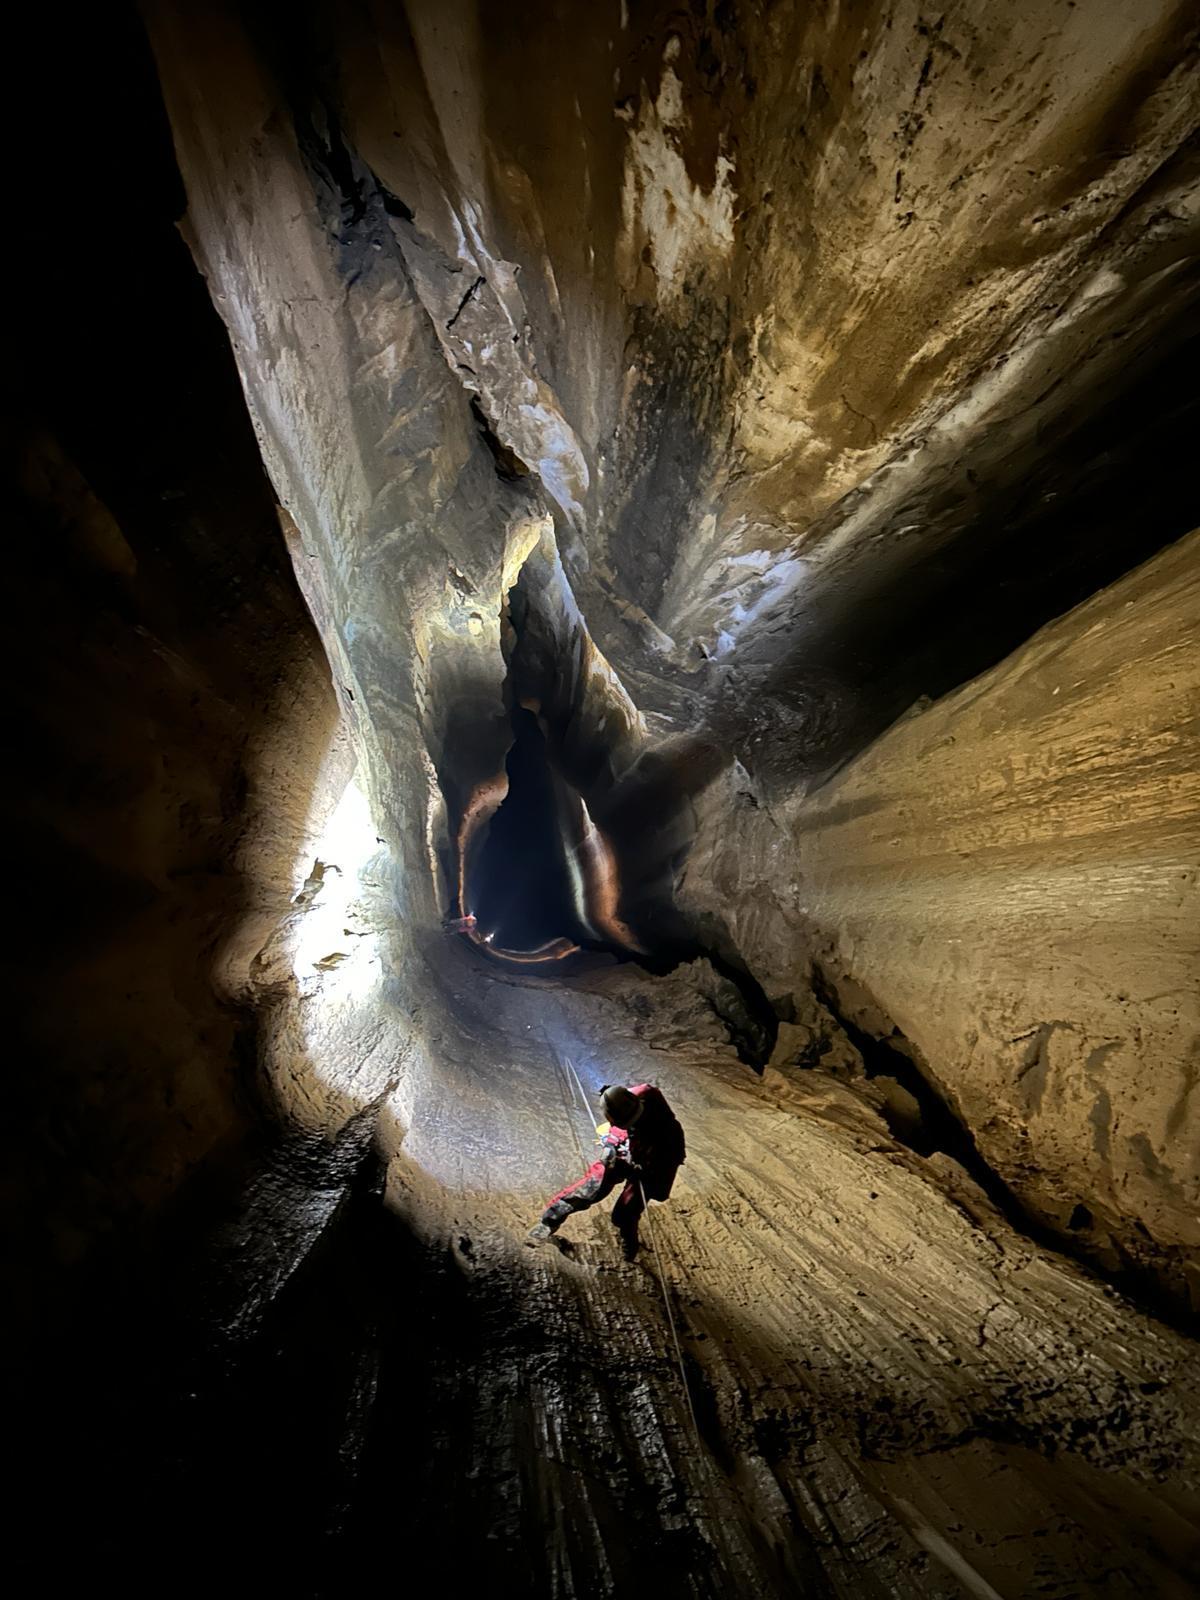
{"points": [[936, 1127]]}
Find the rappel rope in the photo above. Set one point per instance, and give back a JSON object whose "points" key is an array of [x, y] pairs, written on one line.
{"points": [[662, 1283], [568, 1091], [567, 1095], [587, 1110], [707, 1493], [662, 1276]]}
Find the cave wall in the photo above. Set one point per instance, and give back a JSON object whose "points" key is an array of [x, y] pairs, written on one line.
{"points": [[882, 1368], [767, 310], [167, 794], [727, 269], [389, 491], [168, 708], [783, 320], [1005, 887]]}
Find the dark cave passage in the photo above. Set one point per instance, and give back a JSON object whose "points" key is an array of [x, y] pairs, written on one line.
{"points": [[536, 880], [583, 854], [520, 886]]}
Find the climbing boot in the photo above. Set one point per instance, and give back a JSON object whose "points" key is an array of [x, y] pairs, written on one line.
{"points": [[539, 1233]]}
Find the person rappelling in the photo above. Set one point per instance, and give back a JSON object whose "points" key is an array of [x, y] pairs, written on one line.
{"points": [[642, 1146]]}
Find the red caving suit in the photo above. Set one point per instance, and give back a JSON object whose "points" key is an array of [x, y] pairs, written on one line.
{"points": [[656, 1146]]}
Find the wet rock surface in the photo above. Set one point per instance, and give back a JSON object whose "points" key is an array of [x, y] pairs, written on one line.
{"points": [[713, 386]]}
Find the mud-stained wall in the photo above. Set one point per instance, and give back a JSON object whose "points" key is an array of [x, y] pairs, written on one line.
{"points": [[1005, 886]]}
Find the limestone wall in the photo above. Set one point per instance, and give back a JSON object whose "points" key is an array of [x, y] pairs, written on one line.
{"points": [[1009, 879]]}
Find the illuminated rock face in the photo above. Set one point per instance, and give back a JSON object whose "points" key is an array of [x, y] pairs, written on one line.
{"points": [[777, 371], [703, 392], [1003, 890]]}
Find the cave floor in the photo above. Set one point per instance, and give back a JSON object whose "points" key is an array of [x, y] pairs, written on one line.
{"points": [[888, 1389]]}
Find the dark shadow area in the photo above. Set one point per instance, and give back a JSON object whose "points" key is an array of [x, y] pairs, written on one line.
{"points": [[153, 613], [290, 1391], [1024, 540], [208, 1414], [520, 886], [1104, 494]]}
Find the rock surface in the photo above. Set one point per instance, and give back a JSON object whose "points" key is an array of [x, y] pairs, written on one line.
{"points": [[721, 382], [835, 1367], [168, 706], [1004, 887]]}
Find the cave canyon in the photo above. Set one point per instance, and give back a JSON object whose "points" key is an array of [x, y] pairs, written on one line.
{"points": [[572, 543]]}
